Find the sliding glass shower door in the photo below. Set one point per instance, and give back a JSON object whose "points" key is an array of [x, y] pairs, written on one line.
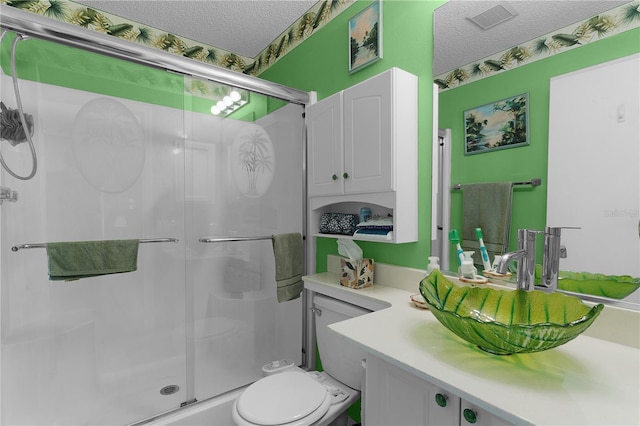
{"points": [[244, 179], [127, 152], [95, 350]]}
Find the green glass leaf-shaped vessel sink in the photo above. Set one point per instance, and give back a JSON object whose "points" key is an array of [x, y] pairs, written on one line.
{"points": [[506, 322]]}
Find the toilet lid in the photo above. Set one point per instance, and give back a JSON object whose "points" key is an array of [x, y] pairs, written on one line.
{"points": [[282, 398]]}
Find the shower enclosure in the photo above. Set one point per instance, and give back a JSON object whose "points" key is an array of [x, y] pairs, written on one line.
{"points": [[129, 151]]}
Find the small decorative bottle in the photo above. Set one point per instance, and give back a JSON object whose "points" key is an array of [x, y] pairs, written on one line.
{"points": [[433, 264], [467, 270]]}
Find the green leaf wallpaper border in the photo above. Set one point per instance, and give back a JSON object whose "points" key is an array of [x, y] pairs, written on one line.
{"points": [[617, 20], [76, 14]]}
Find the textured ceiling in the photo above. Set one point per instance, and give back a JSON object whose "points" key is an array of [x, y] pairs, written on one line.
{"points": [[458, 41], [246, 27]]}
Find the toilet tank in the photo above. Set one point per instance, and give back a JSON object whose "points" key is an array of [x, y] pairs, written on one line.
{"points": [[341, 358]]}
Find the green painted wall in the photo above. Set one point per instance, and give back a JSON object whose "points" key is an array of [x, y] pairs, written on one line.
{"points": [[55, 64], [52, 63], [321, 64], [527, 162]]}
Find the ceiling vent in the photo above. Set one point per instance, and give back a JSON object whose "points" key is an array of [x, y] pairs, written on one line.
{"points": [[493, 16]]}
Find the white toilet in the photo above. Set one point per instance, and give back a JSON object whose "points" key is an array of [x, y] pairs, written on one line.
{"points": [[294, 397]]}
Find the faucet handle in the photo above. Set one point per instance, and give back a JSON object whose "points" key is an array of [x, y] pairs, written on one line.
{"points": [[563, 252], [556, 230], [529, 232], [552, 253]]}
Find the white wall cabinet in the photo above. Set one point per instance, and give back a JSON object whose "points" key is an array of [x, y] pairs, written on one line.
{"points": [[393, 396], [325, 154], [363, 139], [363, 149]]}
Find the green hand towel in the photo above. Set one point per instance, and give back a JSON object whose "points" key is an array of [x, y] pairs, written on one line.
{"points": [[73, 260], [486, 206], [288, 252]]}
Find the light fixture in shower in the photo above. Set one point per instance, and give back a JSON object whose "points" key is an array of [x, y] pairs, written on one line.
{"points": [[228, 104], [224, 99]]}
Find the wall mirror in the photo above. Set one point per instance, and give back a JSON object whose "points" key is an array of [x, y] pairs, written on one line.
{"points": [[475, 66]]}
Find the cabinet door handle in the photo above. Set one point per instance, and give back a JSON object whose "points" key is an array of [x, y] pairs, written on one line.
{"points": [[334, 177], [345, 175], [441, 399], [470, 415]]}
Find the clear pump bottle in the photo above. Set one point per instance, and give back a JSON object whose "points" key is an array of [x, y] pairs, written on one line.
{"points": [[433, 264], [467, 270]]}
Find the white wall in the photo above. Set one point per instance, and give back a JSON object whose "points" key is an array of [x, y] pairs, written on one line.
{"points": [[594, 166]]}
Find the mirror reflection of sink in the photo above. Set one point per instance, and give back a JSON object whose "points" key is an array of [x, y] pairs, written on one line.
{"points": [[611, 286], [616, 287], [507, 322]]}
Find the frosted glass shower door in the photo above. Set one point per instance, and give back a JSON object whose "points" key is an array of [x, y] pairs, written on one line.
{"points": [[111, 349], [122, 155], [238, 325]]}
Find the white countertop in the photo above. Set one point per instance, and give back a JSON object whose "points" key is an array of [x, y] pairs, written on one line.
{"points": [[587, 381]]}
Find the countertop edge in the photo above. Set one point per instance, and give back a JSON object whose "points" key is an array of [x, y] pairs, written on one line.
{"points": [[390, 303]]}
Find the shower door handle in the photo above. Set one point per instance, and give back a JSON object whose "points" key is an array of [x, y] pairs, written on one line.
{"points": [[6, 194]]}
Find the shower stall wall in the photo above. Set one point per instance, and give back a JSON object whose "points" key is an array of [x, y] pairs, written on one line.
{"points": [[124, 152]]}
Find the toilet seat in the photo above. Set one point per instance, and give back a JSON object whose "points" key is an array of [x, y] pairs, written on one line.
{"points": [[289, 398]]}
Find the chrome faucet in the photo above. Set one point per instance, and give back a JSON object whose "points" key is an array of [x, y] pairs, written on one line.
{"points": [[526, 258], [553, 251]]}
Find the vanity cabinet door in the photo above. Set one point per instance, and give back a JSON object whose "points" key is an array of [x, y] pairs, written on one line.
{"points": [[325, 155], [394, 397], [444, 407], [472, 415]]}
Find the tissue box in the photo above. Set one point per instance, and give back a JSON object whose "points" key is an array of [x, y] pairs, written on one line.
{"points": [[356, 274]]}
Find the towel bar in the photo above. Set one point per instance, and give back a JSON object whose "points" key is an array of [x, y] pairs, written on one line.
{"points": [[227, 239], [532, 182], [43, 245]]}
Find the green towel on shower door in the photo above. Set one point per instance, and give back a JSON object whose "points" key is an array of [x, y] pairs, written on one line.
{"points": [[73, 260], [289, 253]]}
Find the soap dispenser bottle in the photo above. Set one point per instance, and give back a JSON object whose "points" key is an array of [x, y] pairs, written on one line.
{"points": [[467, 270], [433, 264]]}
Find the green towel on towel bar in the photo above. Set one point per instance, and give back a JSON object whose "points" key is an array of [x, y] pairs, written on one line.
{"points": [[73, 260], [288, 252], [486, 206]]}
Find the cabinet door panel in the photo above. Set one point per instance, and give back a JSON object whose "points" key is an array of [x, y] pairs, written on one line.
{"points": [[325, 153], [478, 417], [395, 397], [368, 138], [444, 408]]}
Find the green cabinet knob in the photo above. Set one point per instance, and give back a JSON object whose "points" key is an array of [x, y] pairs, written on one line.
{"points": [[345, 175], [470, 415], [441, 400], [334, 177]]}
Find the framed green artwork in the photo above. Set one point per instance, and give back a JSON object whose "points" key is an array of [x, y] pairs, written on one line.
{"points": [[365, 37], [498, 125]]}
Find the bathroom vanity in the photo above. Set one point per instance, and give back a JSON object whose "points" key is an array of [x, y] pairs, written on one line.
{"points": [[418, 372]]}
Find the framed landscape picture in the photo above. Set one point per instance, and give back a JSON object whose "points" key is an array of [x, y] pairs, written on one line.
{"points": [[498, 125], [365, 37]]}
